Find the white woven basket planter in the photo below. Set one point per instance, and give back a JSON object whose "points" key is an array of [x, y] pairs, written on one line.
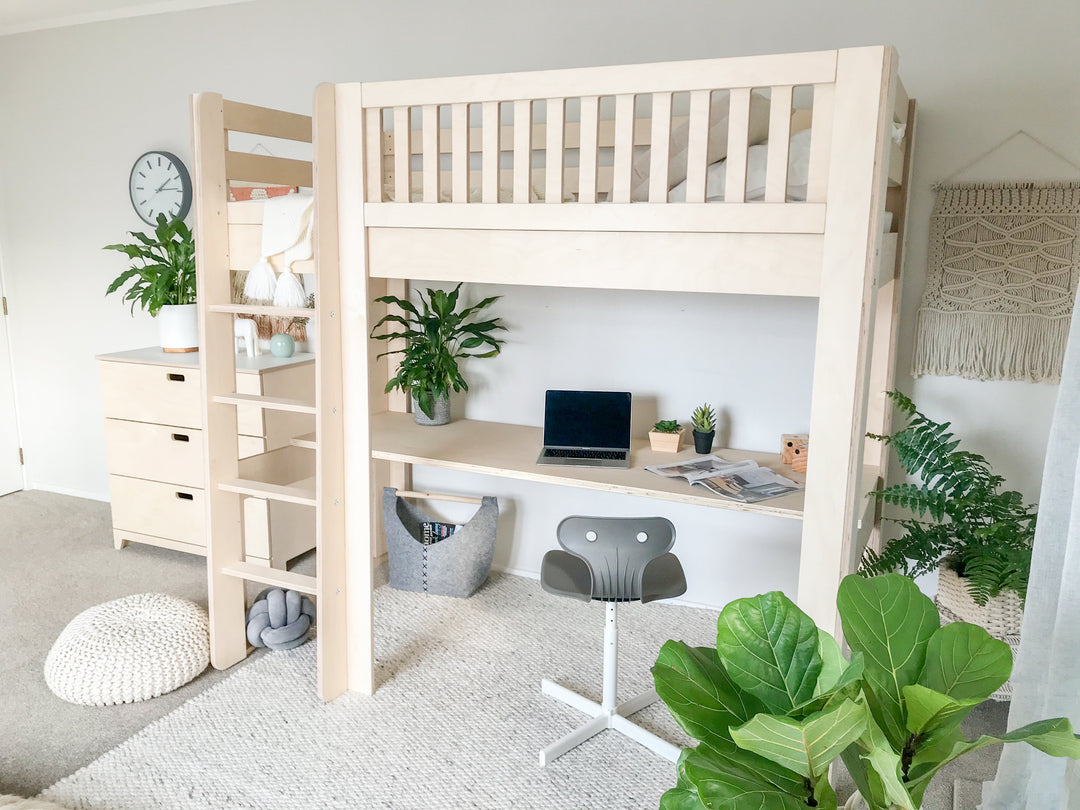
{"points": [[1002, 616]]}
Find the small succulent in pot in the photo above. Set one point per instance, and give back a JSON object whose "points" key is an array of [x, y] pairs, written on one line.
{"points": [[704, 424], [665, 436]]}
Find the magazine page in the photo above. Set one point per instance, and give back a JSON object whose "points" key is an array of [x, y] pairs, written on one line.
{"points": [[700, 467], [749, 485]]}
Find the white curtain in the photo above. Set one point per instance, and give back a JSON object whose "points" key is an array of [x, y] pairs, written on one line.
{"points": [[1046, 677]]}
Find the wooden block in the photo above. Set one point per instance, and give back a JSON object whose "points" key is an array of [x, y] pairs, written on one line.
{"points": [[793, 445]]}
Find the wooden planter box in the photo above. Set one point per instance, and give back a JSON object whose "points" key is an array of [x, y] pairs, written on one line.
{"points": [[665, 442]]}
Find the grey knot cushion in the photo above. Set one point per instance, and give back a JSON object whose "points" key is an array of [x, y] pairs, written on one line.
{"points": [[280, 619], [129, 649], [454, 566]]}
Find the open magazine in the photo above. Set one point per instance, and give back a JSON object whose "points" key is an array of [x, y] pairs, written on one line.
{"points": [[743, 481]]}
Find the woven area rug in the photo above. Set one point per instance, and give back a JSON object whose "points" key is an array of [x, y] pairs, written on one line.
{"points": [[1000, 280], [457, 721]]}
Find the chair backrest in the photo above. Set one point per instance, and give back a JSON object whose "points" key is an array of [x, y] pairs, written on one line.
{"points": [[617, 549]]}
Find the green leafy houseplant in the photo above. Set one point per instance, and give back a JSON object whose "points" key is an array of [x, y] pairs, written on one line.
{"points": [[704, 419], [961, 515], [436, 336], [776, 702], [666, 426], [165, 270]]}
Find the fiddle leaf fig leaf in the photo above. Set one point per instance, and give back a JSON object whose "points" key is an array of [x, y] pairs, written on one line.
{"points": [[930, 711], [699, 693], [890, 621], [807, 746], [730, 777], [770, 649], [965, 662]]}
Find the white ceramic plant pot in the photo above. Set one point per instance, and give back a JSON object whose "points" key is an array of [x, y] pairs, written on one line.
{"points": [[178, 327]]}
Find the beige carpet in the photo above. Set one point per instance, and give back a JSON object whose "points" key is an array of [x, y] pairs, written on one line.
{"points": [[58, 560]]}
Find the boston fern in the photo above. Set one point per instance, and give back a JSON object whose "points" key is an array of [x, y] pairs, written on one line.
{"points": [[165, 273], [435, 338], [961, 515]]}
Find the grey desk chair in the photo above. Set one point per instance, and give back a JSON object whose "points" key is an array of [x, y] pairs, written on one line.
{"points": [[611, 560]]}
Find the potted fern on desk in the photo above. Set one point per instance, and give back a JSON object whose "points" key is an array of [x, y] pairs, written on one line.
{"points": [[436, 336], [962, 522]]}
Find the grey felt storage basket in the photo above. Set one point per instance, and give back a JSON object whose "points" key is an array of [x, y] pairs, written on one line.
{"points": [[454, 566]]}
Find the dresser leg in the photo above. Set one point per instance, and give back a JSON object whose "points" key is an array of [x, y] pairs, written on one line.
{"points": [[118, 541]]}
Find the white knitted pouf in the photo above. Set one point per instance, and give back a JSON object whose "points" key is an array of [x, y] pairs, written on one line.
{"points": [[129, 649]]}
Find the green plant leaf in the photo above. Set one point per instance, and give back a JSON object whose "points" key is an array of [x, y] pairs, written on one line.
{"points": [[681, 799], [890, 622], [876, 768], [1054, 737], [833, 662], [929, 710], [698, 692], [729, 777], [806, 746], [769, 647], [965, 662]]}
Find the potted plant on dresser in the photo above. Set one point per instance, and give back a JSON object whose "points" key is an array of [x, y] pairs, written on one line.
{"points": [[436, 336], [162, 282], [962, 522]]}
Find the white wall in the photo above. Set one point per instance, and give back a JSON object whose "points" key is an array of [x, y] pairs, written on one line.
{"points": [[79, 104]]}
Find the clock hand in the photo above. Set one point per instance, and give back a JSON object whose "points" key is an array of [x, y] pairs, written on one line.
{"points": [[162, 186]]}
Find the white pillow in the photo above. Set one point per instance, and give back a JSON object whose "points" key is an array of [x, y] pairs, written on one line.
{"points": [[717, 149], [716, 176]]}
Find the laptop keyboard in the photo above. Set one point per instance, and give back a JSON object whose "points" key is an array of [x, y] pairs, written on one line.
{"points": [[615, 455]]}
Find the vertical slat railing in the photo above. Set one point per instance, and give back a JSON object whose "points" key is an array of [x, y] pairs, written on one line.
{"points": [[430, 124], [522, 150], [459, 147], [697, 146], [738, 135], [660, 147], [821, 127], [373, 155], [624, 147], [402, 154], [553, 154], [587, 154], [776, 172], [490, 169]]}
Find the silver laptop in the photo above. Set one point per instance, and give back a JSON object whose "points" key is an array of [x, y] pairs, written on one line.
{"points": [[586, 429]]}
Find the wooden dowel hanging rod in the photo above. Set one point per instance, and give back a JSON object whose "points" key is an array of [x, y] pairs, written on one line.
{"points": [[433, 496]]}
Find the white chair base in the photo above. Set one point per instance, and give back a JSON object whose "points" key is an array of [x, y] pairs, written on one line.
{"points": [[606, 715]]}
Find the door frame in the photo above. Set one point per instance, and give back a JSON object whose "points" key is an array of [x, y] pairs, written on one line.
{"points": [[7, 365]]}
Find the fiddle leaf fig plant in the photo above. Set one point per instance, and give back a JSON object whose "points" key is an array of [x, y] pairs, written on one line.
{"points": [[436, 336], [776, 702], [165, 269]]}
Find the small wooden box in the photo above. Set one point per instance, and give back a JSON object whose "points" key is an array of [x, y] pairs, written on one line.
{"points": [[794, 448]]}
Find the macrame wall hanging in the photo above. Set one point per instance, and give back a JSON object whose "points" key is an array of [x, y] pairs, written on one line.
{"points": [[1000, 281]]}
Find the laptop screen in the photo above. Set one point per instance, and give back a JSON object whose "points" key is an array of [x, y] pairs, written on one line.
{"points": [[593, 419]]}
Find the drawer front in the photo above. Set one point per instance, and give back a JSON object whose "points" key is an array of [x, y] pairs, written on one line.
{"points": [[159, 510], [163, 453], [164, 395]]}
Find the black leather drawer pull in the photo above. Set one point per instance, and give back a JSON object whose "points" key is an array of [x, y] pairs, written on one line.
{"points": [[185, 496], [174, 377], [180, 437]]}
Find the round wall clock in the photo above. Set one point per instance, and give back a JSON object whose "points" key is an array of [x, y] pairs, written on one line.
{"points": [[160, 184]]}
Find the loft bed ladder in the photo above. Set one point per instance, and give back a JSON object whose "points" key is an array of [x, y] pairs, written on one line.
{"points": [[216, 166]]}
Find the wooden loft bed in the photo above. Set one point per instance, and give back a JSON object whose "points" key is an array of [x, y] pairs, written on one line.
{"points": [[411, 184]]}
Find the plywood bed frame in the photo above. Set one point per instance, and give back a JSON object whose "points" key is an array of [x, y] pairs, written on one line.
{"points": [[422, 140]]}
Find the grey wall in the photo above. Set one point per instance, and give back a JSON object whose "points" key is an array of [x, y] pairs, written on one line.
{"points": [[79, 104]]}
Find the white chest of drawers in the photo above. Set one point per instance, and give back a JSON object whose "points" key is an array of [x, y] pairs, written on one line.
{"points": [[153, 433]]}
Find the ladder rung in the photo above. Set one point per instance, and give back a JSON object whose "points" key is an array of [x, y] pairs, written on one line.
{"points": [[262, 309], [273, 577], [306, 441], [303, 494], [266, 403]]}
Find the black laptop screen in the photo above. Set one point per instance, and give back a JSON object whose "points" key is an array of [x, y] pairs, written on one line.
{"points": [[596, 419]]}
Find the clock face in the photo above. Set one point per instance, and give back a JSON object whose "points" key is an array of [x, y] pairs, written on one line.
{"points": [[160, 184]]}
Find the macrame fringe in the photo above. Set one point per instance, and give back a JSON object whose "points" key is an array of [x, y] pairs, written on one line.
{"points": [[990, 346], [261, 283], [290, 291]]}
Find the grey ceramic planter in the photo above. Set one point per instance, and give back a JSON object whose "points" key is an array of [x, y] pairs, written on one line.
{"points": [[440, 413]]}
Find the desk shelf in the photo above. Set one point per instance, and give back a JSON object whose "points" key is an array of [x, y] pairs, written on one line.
{"points": [[510, 451]]}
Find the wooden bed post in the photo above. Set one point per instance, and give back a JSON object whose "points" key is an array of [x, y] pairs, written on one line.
{"points": [[356, 357], [225, 542], [856, 196]]}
